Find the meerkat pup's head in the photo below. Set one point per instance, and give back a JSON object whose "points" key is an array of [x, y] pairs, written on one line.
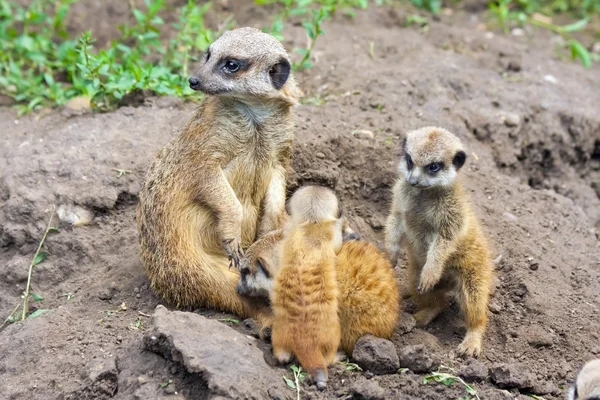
{"points": [[314, 204], [246, 64], [587, 385], [431, 157]]}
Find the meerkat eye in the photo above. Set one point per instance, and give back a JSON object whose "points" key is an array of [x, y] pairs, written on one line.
{"points": [[435, 167], [409, 162], [231, 66]]}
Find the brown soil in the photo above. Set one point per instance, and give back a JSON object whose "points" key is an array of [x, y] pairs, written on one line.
{"points": [[533, 172]]}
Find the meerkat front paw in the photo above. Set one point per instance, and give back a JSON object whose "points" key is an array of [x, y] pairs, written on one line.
{"points": [[430, 276], [470, 346], [233, 248]]}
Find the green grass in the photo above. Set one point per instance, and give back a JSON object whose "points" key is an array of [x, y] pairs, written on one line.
{"points": [[43, 65]]}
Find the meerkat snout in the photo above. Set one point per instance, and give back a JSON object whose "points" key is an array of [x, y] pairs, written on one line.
{"points": [[194, 83], [431, 158], [246, 63]]}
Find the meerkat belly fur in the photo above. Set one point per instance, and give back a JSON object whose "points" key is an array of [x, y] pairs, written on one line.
{"points": [[368, 292], [432, 217], [220, 183], [304, 301]]}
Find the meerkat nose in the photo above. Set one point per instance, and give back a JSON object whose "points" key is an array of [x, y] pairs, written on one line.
{"points": [[194, 83]]}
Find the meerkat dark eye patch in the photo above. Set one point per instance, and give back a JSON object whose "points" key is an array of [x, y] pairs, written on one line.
{"points": [[409, 162], [280, 73], [435, 167], [261, 266], [233, 65], [459, 159]]}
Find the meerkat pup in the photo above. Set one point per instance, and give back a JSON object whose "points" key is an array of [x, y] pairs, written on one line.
{"points": [[369, 296], [220, 183], [587, 385], [446, 248], [304, 301]]}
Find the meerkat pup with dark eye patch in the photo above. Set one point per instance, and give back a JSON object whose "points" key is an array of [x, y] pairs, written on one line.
{"points": [[432, 216], [369, 295], [587, 384], [220, 183], [305, 293]]}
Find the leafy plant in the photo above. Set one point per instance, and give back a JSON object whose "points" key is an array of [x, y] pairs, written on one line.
{"points": [[531, 11], [316, 12], [350, 366], [449, 380], [299, 376], [40, 65]]}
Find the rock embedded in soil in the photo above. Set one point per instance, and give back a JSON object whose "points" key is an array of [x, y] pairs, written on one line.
{"points": [[376, 355], [474, 371], [511, 376], [537, 336], [228, 363], [406, 323], [417, 359], [365, 389]]}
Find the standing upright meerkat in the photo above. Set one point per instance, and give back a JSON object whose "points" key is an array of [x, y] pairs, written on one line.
{"points": [[305, 293], [587, 384], [220, 183], [432, 216]]}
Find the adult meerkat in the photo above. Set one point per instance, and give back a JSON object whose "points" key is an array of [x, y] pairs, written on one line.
{"points": [[220, 183], [433, 217], [369, 296], [587, 384], [304, 301]]}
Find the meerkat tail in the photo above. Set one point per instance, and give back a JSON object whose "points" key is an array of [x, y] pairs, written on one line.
{"points": [[313, 361]]}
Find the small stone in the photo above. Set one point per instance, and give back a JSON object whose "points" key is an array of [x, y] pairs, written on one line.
{"points": [[319, 155], [417, 359], [138, 296], [534, 265], [74, 215], [541, 388], [474, 371], [363, 389], [511, 376], [170, 388], [512, 119], [551, 79], [406, 323], [494, 307], [376, 355], [537, 336], [105, 294], [79, 103], [509, 217], [119, 338], [517, 32], [142, 379], [363, 134], [136, 289], [521, 290]]}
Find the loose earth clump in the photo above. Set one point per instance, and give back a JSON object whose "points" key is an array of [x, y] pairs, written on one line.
{"points": [[532, 170]]}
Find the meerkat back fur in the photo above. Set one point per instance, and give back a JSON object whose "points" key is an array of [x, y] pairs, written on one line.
{"points": [[369, 296], [304, 301], [587, 384], [433, 218], [219, 184]]}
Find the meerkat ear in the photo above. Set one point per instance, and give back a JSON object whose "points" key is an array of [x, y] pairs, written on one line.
{"points": [[279, 73], [459, 159]]}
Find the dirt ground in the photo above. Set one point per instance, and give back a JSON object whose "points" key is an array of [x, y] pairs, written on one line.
{"points": [[532, 127]]}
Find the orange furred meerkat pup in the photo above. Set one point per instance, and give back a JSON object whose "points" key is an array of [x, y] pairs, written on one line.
{"points": [[432, 217], [220, 183], [304, 301], [368, 291]]}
